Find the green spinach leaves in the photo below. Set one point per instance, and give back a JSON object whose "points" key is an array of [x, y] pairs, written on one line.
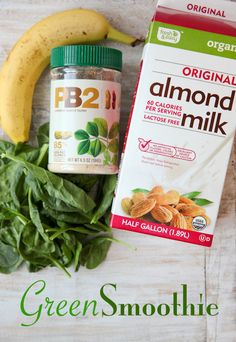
{"points": [[48, 219]]}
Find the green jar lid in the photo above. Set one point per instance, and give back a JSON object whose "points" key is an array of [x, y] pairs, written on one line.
{"points": [[86, 55]]}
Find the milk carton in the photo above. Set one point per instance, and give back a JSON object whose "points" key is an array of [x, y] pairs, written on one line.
{"points": [[182, 124]]}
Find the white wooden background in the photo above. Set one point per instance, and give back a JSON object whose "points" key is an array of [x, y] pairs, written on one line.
{"points": [[158, 266]]}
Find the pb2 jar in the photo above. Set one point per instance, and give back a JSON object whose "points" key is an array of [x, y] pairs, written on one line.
{"points": [[85, 109]]}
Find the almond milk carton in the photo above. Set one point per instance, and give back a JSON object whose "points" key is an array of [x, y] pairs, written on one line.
{"points": [[182, 124]]}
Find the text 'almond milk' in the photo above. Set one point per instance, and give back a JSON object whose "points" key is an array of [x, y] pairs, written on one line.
{"points": [[182, 124]]}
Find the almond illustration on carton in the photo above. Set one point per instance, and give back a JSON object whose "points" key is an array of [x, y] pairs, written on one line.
{"points": [[189, 221], [138, 197], [192, 210], [161, 214], [172, 197], [180, 206], [179, 221], [173, 210], [159, 198], [158, 190], [169, 208], [126, 205], [186, 200], [169, 198], [142, 208]]}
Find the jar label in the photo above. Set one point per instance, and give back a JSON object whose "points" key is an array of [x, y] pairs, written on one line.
{"points": [[84, 123]]}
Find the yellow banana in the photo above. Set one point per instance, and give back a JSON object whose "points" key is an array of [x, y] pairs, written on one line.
{"points": [[30, 56]]}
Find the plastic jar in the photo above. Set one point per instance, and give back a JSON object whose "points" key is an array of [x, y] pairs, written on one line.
{"points": [[85, 109]]}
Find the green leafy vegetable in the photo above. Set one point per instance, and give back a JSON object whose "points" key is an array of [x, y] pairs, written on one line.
{"points": [[9, 258], [53, 220], [86, 182], [35, 216], [106, 198], [95, 252], [6, 146], [43, 134], [56, 186]]}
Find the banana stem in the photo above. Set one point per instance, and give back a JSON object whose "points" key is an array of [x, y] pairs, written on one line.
{"points": [[116, 35]]}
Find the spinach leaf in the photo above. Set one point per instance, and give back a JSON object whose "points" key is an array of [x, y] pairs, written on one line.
{"points": [[58, 187], [81, 230], [17, 185], [68, 217], [43, 135], [67, 255], [35, 217], [7, 176], [95, 252], [26, 152], [106, 199], [9, 258], [85, 182], [78, 251], [6, 147], [8, 213], [53, 220], [33, 241]]}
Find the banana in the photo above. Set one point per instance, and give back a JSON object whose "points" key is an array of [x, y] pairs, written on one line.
{"points": [[30, 56]]}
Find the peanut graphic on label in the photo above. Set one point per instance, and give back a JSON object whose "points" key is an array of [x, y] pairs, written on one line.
{"points": [[113, 100], [169, 208], [62, 135], [107, 99]]}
